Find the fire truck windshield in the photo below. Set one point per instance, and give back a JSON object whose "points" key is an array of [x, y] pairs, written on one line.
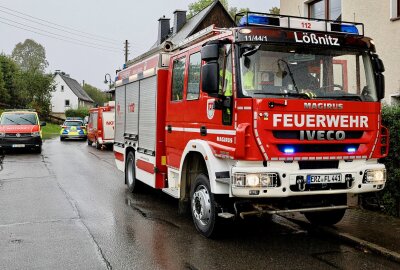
{"points": [[290, 72]]}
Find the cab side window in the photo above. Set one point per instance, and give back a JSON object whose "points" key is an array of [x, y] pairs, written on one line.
{"points": [[193, 89], [178, 76]]}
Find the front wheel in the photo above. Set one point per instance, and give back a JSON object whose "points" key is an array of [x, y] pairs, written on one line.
{"points": [[89, 142], [203, 206], [326, 217], [98, 145]]}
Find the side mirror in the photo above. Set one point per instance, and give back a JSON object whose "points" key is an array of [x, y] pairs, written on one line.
{"points": [[378, 64], [42, 124], [380, 85], [210, 52], [210, 78]]}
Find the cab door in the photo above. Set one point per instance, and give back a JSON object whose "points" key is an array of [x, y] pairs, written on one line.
{"points": [[175, 127]]}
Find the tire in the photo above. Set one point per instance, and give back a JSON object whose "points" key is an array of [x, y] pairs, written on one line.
{"points": [[62, 139], [130, 174], [98, 145], [89, 142], [325, 218], [203, 207]]}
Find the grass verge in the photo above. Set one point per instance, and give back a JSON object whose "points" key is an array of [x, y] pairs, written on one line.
{"points": [[50, 131]]}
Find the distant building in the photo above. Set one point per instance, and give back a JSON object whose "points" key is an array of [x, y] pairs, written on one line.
{"points": [[69, 94], [382, 23]]}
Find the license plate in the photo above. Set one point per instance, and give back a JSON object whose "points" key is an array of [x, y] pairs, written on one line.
{"points": [[324, 178], [18, 145]]}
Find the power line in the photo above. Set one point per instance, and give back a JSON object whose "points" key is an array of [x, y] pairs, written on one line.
{"points": [[59, 29], [81, 44], [69, 28], [55, 34]]}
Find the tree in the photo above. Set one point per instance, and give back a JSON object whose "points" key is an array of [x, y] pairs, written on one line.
{"points": [[97, 95], [198, 6], [275, 10], [10, 77], [30, 56]]}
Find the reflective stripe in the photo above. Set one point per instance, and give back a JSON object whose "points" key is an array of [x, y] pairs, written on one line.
{"points": [[209, 131]]}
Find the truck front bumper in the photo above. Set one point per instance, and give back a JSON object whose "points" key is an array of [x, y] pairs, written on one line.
{"points": [[280, 179], [20, 142]]}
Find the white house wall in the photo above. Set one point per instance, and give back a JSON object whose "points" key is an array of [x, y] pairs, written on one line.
{"points": [[376, 16], [58, 98]]}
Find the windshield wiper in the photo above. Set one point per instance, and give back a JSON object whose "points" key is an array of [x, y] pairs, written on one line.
{"points": [[11, 120], [290, 94], [345, 97], [27, 120]]}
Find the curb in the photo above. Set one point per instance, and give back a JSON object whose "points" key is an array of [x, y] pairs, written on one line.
{"points": [[394, 256]]}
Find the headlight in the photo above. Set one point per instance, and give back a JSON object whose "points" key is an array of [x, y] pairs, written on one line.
{"points": [[36, 134], [252, 180], [261, 180], [2, 134], [375, 176]]}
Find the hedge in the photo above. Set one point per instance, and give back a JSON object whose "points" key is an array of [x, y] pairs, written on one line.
{"points": [[81, 112], [390, 196]]}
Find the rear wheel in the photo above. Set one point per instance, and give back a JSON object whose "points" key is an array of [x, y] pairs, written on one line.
{"points": [[98, 145], [326, 217], [203, 207], [61, 138], [130, 173]]}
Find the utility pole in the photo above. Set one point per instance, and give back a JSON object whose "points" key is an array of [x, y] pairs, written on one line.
{"points": [[126, 51]]}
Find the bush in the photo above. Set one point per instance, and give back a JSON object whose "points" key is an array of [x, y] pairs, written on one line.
{"points": [[390, 196], [81, 112]]}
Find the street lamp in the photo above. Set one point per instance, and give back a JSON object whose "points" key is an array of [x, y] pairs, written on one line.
{"points": [[109, 81]]}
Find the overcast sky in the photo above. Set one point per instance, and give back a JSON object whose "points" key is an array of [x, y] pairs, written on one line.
{"points": [[110, 21]]}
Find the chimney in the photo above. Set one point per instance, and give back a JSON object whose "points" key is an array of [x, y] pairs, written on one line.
{"points": [[163, 29], [179, 20]]}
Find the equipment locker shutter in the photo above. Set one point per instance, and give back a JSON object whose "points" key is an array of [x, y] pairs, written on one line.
{"points": [[132, 108], [119, 114], [147, 115]]}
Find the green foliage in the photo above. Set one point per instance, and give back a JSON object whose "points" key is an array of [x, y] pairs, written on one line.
{"points": [[199, 5], [275, 10], [50, 130], [23, 83], [390, 196], [30, 56], [96, 94], [10, 75], [81, 112]]}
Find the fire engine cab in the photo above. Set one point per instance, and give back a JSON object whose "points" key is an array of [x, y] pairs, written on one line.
{"points": [[279, 114]]}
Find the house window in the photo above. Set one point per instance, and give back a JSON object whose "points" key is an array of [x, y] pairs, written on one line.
{"points": [[62, 88], [178, 76], [67, 103], [193, 89], [325, 9], [394, 10]]}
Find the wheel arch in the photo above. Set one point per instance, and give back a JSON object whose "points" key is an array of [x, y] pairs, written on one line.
{"points": [[198, 158]]}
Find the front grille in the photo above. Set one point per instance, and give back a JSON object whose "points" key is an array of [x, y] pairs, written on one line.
{"points": [[21, 135], [319, 164], [295, 134], [318, 148]]}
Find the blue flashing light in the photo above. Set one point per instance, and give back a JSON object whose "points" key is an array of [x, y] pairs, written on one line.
{"points": [[289, 150], [254, 19], [349, 28], [351, 150]]}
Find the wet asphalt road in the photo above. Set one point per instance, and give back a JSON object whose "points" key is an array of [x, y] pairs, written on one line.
{"points": [[68, 209]]}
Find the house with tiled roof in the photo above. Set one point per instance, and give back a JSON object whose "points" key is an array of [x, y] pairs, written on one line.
{"points": [[68, 94]]}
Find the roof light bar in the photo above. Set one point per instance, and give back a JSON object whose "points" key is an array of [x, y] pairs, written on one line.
{"points": [[293, 22]]}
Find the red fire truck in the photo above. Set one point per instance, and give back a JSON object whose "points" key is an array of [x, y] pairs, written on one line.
{"points": [[101, 126], [280, 114]]}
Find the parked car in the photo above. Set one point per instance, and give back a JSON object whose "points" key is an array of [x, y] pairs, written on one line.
{"points": [[101, 126], [73, 128], [21, 129]]}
